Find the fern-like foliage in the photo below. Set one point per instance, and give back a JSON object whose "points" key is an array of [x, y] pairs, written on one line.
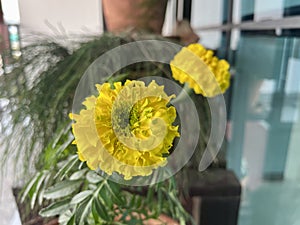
{"points": [[35, 100]]}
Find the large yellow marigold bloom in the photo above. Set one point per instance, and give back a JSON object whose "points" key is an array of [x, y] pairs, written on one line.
{"points": [[126, 129], [203, 71]]}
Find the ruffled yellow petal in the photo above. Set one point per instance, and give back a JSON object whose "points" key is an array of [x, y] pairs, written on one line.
{"points": [[203, 71], [126, 129]]}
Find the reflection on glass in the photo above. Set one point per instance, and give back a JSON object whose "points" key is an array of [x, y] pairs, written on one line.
{"points": [[290, 109], [264, 148], [261, 98]]}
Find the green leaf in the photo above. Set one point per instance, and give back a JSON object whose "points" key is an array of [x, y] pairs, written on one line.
{"points": [[38, 185], [100, 210], [150, 194], [92, 186], [62, 189], [81, 165], [61, 131], [56, 208], [159, 202], [138, 203], [116, 78], [61, 148], [104, 197], [65, 217], [78, 174], [132, 201], [114, 187], [95, 214], [29, 186], [81, 196], [42, 190], [93, 177], [115, 192], [82, 212], [67, 167], [72, 221]]}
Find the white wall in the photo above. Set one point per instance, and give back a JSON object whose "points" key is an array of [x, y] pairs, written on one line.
{"points": [[60, 17], [207, 13], [11, 11]]}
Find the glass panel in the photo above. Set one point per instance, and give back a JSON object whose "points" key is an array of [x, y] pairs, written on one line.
{"points": [[265, 129], [291, 3], [258, 66], [247, 7], [268, 9], [292, 106]]}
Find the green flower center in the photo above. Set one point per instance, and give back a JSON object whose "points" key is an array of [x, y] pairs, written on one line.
{"points": [[120, 119], [134, 116]]}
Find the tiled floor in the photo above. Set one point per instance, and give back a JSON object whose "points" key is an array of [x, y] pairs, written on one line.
{"points": [[271, 203]]}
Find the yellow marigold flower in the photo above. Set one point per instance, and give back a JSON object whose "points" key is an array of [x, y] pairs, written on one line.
{"points": [[203, 71], [126, 129]]}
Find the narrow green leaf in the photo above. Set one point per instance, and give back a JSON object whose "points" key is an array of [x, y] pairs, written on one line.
{"points": [[159, 202], [61, 148], [65, 217], [55, 208], [132, 201], [104, 197], [62, 131], [62, 189], [95, 214], [150, 194], [81, 196], [93, 177], [57, 137], [29, 186], [72, 221], [82, 212], [67, 167], [171, 207], [78, 174], [111, 187], [37, 188], [117, 78], [92, 186], [114, 187], [100, 209], [42, 191], [138, 203], [82, 164]]}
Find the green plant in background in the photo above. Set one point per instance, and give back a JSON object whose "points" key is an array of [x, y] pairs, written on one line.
{"points": [[39, 95], [82, 196], [37, 99]]}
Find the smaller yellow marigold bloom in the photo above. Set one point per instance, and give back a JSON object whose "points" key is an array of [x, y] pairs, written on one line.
{"points": [[126, 129], [203, 71]]}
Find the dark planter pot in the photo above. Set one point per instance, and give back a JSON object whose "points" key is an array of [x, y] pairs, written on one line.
{"points": [[216, 196], [146, 15]]}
